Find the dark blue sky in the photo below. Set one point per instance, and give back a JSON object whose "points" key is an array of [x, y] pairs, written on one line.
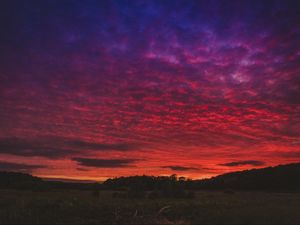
{"points": [[156, 87]]}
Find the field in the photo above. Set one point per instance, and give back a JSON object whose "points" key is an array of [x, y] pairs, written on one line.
{"points": [[81, 207]]}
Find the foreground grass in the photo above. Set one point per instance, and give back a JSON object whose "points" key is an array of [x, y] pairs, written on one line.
{"points": [[80, 207]]}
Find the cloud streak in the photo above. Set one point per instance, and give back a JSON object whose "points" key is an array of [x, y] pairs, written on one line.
{"points": [[105, 163], [103, 146], [56, 147], [19, 167], [180, 168], [244, 163]]}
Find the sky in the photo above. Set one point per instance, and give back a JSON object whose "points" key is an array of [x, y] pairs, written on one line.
{"points": [[97, 89]]}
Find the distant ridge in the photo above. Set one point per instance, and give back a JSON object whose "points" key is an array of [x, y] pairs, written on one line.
{"points": [[281, 177], [16, 180], [277, 178]]}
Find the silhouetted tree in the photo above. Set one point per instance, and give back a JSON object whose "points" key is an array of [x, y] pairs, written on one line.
{"points": [[96, 190]]}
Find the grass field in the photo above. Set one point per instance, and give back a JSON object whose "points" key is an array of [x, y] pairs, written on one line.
{"points": [[81, 207]]}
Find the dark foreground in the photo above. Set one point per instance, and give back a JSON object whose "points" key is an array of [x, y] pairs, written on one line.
{"points": [[81, 207]]}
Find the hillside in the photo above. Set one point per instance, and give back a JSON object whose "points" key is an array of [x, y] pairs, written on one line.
{"points": [[282, 177], [19, 180], [278, 178], [15, 180]]}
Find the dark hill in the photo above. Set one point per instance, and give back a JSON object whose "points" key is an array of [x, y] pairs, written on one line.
{"points": [[282, 177], [278, 178], [15, 180], [19, 180]]}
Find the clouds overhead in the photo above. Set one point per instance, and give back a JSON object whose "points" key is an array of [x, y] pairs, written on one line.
{"points": [[19, 167], [179, 168], [170, 82], [244, 163], [105, 163]]}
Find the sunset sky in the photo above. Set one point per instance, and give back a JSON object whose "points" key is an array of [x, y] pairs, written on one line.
{"points": [[98, 89]]}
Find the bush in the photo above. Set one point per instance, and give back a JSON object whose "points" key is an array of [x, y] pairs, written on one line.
{"points": [[119, 195], [190, 194], [228, 191], [133, 193], [95, 190]]}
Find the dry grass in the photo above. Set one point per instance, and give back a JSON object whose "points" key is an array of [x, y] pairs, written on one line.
{"points": [[80, 207]]}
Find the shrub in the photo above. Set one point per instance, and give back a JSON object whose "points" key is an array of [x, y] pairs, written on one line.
{"points": [[228, 191]]}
